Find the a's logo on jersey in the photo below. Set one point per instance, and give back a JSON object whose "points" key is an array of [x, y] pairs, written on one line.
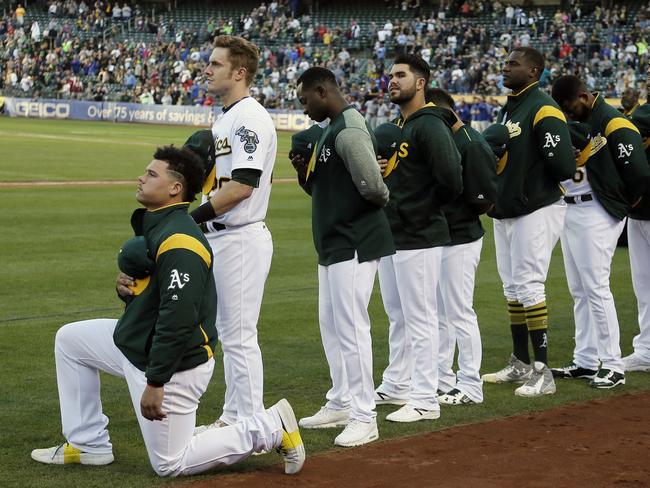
{"points": [[249, 138], [513, 129], [222, 147], [325, 154], [625, 150], [178, 280], [551, 140], [597, 143]]}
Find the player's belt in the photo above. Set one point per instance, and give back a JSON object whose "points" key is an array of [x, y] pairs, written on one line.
{"points": [[587, 197], [208, 227]]}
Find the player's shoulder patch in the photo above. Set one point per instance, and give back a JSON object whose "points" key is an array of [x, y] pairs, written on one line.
{"points": [[249, 137]]}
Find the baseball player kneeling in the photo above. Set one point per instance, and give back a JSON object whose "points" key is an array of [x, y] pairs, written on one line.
{"points": [[162, 345]]}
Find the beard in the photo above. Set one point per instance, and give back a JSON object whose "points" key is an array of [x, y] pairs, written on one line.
{"points": [[405, 95]]}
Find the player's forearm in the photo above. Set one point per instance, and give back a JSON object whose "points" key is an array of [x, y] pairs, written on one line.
{"points": [[228, 197]]}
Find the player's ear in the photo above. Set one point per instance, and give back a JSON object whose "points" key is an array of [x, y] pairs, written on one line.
{"points": [[321, 91], [176, 188]]}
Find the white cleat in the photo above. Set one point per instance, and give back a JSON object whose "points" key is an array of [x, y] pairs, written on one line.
{"points": [[409, 413], [384, 399], [540, 383], [635, 363], [357, 433], [66, 454], [326, 418], [516, 372], [291, 447]]}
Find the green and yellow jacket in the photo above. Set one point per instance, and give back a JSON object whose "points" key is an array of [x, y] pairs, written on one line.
{"points": [[425, 175], [618, 170], [479, 187], [539, 154], [345, 222], [641, 118], [168, 324]]}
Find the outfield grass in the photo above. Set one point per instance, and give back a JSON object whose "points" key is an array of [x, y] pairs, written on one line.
{"points": [[58, 259]]}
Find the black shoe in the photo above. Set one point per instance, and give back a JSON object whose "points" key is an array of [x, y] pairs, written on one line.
{"points": [[606, 378], [572, 370]]}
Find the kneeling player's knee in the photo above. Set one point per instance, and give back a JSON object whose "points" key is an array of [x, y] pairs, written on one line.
{"points": [[165, 469], [64, 338]]}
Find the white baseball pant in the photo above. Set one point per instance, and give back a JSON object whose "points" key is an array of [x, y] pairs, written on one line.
{"points": [[83, 349], [638, 240], [242, 260], [588, 244], [524, 246], [408, 281], [457, 320], [396, 378], [344, 291]]}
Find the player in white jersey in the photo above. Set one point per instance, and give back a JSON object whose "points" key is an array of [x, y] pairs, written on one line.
{"points": [[236, 199]]}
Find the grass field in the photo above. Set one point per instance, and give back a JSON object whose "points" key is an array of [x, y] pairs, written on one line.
{"points": [[58, 260]]}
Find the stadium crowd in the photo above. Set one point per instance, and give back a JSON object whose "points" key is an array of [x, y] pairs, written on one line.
{"points": [[88, 50]]}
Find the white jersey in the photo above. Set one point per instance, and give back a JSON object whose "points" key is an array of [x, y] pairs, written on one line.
{"points": [[578, 185], [244, 138]]}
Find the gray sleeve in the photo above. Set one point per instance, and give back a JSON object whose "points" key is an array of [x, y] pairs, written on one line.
{"points": [[355, 148]]}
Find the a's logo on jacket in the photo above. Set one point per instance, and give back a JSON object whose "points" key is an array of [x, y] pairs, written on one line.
{"points": [[178, 280], [551, 140], [513, 128], [325, 154], [249, 138], [625, 150]]}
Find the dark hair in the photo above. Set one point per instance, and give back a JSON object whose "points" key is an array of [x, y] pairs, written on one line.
{"points": [[418, 65], [533, 56], [440, 97], [567, 88], [241, 54], [186, 166], [316, 75]]}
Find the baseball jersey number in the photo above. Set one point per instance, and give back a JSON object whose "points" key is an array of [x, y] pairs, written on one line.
{"points": [[579, 176]]}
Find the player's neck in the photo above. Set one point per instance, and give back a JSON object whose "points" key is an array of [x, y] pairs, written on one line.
{"points": [[234, 95], [338, 104], [413, 105]]}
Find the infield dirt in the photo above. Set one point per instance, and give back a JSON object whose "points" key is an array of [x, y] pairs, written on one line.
{"points": [[599, 443]]}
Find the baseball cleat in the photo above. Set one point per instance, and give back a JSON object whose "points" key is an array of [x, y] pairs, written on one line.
{"points": [[606, 378], [572, 370], [291, 448], [326, 418], [409, 413], [384, 399], [217, 424], [540, 383], [455, 397], [634, 362], [516, 372], [67, 454], [357, 433]]}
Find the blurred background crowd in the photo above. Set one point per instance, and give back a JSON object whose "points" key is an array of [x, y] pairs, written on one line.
{"points": [[155, 52]]}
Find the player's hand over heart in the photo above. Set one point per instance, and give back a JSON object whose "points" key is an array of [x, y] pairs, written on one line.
{"points": [[122, 284], [383, 164]]}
